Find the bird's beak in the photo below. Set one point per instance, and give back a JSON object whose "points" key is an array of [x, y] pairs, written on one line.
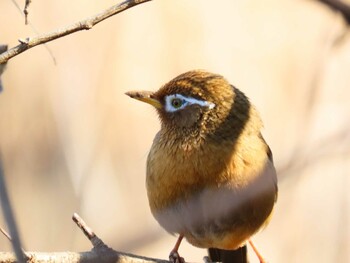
{"points": [[145, 96]]}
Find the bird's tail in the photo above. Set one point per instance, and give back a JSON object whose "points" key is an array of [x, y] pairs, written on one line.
{"points": [[229, 256]]}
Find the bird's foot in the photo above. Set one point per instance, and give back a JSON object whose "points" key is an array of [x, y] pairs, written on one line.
{"points": [[260, 257], [174, 257], [207, 259]]}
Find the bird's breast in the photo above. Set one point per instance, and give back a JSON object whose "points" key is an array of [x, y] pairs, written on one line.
{"points": [[173, 173]]}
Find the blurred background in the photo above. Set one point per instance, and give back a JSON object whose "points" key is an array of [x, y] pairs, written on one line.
{"points": [[73, 142]]}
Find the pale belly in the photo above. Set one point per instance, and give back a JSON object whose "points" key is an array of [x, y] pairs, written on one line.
{"points": [[220, 218]]}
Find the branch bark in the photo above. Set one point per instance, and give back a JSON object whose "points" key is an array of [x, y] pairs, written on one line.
{"points": [[3, 49], [82, 257], [85, 24], [99, 253]]}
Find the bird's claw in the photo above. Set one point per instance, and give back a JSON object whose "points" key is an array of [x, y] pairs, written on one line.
{"points": [[207, 259], [174, 257]]}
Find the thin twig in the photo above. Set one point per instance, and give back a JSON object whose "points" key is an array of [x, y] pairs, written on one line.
{"points": [[9, 217], [102, 253], [7, 235], [99, 253], [3, 48], [86, 24], [25, 11], [35, 31], [98, 245], [83, 226]]}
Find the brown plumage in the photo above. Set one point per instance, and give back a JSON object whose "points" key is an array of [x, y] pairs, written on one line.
{"points": [[210, 174]]}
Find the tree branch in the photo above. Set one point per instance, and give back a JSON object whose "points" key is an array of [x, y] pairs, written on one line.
{"points": [[99, 253], [86, 24], [82, 257]]}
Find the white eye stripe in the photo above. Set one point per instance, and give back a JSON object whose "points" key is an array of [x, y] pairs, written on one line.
{"points": [[185, 101]]}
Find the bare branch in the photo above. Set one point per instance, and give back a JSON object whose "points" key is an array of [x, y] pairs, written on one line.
{"points": [[34, 29], [7, 235], [82, 257], [3, 48], [96, 242], [83, 226], [86, 24], [99, 253]]}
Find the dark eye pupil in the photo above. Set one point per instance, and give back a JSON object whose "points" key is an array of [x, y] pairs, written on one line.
{"points": [[176, 103]]}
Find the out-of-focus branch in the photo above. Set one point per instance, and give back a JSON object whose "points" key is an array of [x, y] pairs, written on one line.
{"points": [[318, 152], [99, 253], [340, 6], [25, 11], [86, 24], [9, 218]]}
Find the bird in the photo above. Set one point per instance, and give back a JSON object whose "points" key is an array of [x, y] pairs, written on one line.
{"points": [[210, 176]]}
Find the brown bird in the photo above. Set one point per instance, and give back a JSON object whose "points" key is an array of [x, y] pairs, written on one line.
{"points": [[210, 174]]}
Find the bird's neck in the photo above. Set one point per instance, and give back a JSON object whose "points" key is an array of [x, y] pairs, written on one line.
{"points": [[184, 138]]}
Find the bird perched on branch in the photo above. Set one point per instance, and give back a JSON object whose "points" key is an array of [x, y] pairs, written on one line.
{"points": [[210, 174]]}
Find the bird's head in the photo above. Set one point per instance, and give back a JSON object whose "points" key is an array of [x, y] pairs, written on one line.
{"points": [[195, 101]]}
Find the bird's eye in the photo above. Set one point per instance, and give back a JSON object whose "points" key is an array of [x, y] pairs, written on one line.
{"points": [[177, 103]]}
